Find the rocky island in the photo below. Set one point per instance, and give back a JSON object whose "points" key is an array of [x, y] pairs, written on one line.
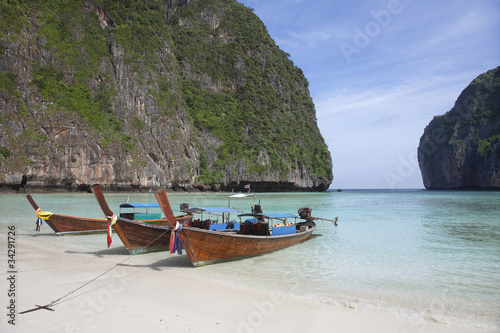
{"points": [[461, 149], [177, 94]]}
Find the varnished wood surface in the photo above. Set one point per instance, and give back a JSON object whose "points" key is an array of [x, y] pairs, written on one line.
{"points": [[141, 237], [137, 237], [207, 247]]}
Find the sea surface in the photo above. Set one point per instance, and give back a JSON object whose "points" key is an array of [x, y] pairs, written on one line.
{"points": [[415, 254]]}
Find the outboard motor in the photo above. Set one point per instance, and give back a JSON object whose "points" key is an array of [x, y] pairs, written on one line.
{"points": [[184, 206], [257, 209], [305, 213]]}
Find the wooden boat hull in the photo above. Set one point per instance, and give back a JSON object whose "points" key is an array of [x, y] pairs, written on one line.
{"points": [[139, 237], [74, 225], [205, 247]]}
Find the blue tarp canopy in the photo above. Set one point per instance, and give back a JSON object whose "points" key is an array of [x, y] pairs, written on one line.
{"points": [[212, 210], [139, 205], [270, 215]]}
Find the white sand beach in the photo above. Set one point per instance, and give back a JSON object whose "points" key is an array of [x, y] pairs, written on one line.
{"points": [[146, 293]]}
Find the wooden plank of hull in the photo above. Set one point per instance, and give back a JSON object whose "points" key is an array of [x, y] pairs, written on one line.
{"points": [[141, 237], [207, 247], [63, 224]]}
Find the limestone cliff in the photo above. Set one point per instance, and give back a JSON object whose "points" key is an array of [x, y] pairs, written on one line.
{"points": [[461, 149], [179, 94]]}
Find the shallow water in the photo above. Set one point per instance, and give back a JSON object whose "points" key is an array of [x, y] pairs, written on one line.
{"points": [[410, 253]]}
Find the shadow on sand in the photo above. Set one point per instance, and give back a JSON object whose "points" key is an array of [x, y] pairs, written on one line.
{"points": [[102, 253], [181, 261], [169, 261]]}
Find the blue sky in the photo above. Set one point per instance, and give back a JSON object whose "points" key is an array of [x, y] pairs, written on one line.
{"points": [[379, 71]]}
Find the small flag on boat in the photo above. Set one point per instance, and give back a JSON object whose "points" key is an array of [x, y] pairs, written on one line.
{"points": [[111, 221], [247, 186]]}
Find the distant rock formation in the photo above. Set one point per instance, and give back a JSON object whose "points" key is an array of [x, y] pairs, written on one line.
{"points": [[461, 149]]}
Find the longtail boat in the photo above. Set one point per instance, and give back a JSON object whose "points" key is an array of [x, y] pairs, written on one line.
{"points": [[74, 225], [255, 237], [142, 237], [137, 236]]}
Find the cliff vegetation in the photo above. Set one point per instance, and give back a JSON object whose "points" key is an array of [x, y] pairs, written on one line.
{"points": [[461, 149], [181, 94]]}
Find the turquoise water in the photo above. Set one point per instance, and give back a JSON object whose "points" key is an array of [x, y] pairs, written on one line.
{"points": [[410, 253]]}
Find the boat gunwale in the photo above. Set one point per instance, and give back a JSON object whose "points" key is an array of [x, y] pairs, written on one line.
{"points": [[143, 223], [79, 218], [105, 220], [236, 235], [81, 232], [217, 232]]}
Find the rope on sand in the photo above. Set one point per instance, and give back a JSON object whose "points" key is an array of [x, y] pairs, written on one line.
{"points": [[53, 303]]}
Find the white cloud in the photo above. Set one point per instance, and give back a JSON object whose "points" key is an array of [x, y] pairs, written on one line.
{"points": [[471, 24], [373, 110]]}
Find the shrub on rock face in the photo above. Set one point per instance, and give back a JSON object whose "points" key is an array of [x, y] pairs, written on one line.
{"points": [[158, 93]]}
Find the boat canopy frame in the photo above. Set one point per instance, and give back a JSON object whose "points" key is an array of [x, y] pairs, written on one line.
{"points": [[143, 212], [270, 217], [217, 211], [276, 216]]}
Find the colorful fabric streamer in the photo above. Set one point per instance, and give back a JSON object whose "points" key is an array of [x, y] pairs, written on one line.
{"points": [[38, 224], [175, 243], [41, 216], [111, 221]]}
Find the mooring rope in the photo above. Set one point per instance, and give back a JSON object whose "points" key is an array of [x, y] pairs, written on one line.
{"points": [[53, 303]]}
